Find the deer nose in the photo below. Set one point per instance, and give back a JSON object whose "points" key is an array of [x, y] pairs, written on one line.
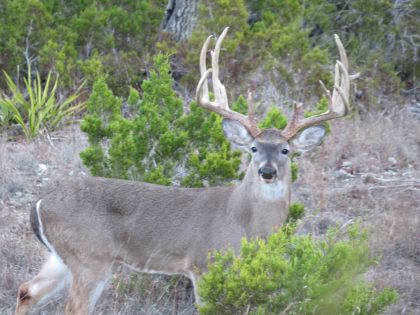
{"points": [[267, 172]]}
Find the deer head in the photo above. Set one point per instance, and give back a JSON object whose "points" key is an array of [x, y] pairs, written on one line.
{"points": [[271, 148]]}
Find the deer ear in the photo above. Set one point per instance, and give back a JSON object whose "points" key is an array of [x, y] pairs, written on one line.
{"points": [[308, 139], [236, 133]]}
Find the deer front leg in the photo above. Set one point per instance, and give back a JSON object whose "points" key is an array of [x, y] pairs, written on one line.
{"points": [[87, 286], [53, 277]]}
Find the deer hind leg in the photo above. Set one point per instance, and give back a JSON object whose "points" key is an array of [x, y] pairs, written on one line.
{"points": [[53, 277], [86, 288], [194, 279]]}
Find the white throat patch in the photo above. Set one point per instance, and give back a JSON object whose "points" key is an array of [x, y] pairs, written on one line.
{"points": [[274, 191]]}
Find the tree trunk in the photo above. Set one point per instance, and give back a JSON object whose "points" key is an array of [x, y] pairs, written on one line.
{"points": [[180, 18]]}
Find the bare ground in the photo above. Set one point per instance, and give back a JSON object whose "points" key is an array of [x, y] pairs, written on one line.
{"points": [[366, 171]]}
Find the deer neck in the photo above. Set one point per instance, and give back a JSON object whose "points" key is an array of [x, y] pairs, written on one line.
{"points": [[261, 207], [257, 190]]}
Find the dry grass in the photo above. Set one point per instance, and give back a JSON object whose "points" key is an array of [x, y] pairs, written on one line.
{"points": [[367, 170], [22, 180]]}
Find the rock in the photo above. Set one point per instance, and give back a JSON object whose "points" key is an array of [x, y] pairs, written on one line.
{"points": [[324, 224], [346, 164], [414, 109], [392, 160], [342, 174], [42, 168], [390, 173], [369, 178]]}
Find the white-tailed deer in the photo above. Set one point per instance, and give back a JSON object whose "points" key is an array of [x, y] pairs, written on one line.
{"points": [[89, 224]]}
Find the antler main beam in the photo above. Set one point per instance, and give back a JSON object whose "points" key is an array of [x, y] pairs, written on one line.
{"points": [[220, 104], [337, 102]]}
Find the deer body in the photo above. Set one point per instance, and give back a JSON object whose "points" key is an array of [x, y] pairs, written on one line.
{"points": [[126, 215], [89, 224]]}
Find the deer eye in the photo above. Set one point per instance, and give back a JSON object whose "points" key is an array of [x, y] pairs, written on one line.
{"points": [[254, 149], [285, 151]]}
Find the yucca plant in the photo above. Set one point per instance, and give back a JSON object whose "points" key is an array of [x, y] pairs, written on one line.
{"points": [[38, 106], [4, 114]]}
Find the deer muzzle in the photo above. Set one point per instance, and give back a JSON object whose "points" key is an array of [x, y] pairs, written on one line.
{"points": [[267, 172]]}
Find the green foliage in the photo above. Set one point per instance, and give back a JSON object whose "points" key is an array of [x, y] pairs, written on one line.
{"points": [[69, 38], [240, 105], [376, 33], [40, 108], [281, 37], [296, 211], [293, 274], [115, 39], [320, 108], [277, 37], [92, 68], [216, 15], [274, 119], [21, 21], [295, 38], [156, 138], [364, 299], [295, 171]]}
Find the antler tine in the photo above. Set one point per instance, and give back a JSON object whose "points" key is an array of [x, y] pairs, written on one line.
{"points": [[218, 88], [220, 105], [337, 101], [255, 130], [341, 51], [203, 70]]}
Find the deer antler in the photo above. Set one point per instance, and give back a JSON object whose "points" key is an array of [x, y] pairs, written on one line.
{"points": [[337, 102], [220, 105]]}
